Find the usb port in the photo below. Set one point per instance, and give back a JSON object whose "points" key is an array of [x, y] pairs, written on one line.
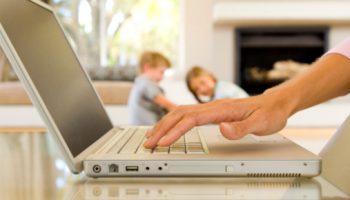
{"points": [[131, 168]]}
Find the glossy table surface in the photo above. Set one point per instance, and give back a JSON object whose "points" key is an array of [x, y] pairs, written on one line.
{"points": [[32, 168]]}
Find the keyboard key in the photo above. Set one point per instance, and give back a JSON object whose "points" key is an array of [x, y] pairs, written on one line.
{"points": [[133, 139], [161, 150], [142, 149], [194, 143], [195, 150], [132, 145], [120, 144], [179, 147], [177, 150]]}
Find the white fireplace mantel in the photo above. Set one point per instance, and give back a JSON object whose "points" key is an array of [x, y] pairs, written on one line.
{"points": [[269, 12]]}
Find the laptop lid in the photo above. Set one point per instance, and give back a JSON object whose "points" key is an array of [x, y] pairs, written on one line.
{"points": [[43, 59], [336, 160]]}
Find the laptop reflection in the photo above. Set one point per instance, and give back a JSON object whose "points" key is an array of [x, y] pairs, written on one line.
{"points": [[198, 188]]}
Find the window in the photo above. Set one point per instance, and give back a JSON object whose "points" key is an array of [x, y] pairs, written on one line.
{"points": [[115, 32]]}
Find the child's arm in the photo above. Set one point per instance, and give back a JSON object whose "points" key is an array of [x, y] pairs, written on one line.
{"points": [[162, 101]]}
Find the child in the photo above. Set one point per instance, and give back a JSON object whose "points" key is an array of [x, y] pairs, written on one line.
{"points": [[205, 87], [147, 103]]}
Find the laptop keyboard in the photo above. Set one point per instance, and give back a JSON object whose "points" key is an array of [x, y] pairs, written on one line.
{"points": [[132, 142]]}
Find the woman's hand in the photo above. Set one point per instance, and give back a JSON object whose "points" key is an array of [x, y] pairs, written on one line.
{"points": [[259, 115]]}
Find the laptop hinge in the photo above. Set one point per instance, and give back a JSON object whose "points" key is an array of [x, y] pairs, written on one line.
{"points": [[94, 147], [42, 4]]}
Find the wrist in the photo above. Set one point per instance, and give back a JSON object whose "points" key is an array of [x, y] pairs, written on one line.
{"points": [[286, 98]]}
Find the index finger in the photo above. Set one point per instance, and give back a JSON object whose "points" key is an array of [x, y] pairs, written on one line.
{"points": [[163, 126]]}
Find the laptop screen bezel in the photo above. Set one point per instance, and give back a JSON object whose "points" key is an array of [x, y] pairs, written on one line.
{"points": [[74, 163]]}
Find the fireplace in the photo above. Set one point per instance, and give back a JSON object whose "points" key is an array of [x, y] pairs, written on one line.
{"points": [[266, 57]]}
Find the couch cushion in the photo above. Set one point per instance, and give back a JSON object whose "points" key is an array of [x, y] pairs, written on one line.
{"points": [[111, 92]]}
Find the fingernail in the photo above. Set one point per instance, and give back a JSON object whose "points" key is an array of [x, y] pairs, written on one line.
{"points": [[147, 143]]}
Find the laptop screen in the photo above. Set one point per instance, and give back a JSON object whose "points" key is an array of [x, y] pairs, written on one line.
{"points": [[55, 72]]}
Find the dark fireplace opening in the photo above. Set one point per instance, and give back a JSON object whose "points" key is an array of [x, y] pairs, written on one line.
{"points": [[266, 57]]}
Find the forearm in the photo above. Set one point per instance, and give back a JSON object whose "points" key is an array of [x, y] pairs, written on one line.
{"points": [[328, 78]]}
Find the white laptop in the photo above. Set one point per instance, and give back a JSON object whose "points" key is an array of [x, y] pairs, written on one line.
{"points": [[36, 46], [333, 183]]}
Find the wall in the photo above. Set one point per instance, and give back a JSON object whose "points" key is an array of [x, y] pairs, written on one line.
{"points": [[196, 34], [202, 42], [210, 44]]}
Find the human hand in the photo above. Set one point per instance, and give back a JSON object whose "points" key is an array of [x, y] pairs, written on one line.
{"points": [[260, 115]]}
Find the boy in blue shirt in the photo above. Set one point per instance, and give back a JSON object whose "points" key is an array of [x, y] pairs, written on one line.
{"points": [[147, 103]]}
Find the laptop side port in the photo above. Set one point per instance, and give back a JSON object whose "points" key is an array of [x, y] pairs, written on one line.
{"points": [[132, 168], [96, 168], [113, 168]]}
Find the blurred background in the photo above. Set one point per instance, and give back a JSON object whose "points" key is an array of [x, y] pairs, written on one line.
{"points": [[256, 44]]}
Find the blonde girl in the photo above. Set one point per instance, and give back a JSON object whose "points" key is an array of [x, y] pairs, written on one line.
{"points": [[205, 87]]}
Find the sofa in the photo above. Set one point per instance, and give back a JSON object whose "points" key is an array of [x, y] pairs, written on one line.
{"points": [[17, 111], [111, 92]]}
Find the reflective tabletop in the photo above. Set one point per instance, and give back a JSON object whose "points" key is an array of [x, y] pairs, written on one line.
{"points": [[32, 168]]}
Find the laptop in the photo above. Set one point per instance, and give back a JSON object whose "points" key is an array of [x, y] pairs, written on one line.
{"points": [[333, 183], [38, 50]]}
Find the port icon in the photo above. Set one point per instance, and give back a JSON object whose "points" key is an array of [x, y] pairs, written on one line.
{"points": [[113, 168], [132, 168], [96, 168]]}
